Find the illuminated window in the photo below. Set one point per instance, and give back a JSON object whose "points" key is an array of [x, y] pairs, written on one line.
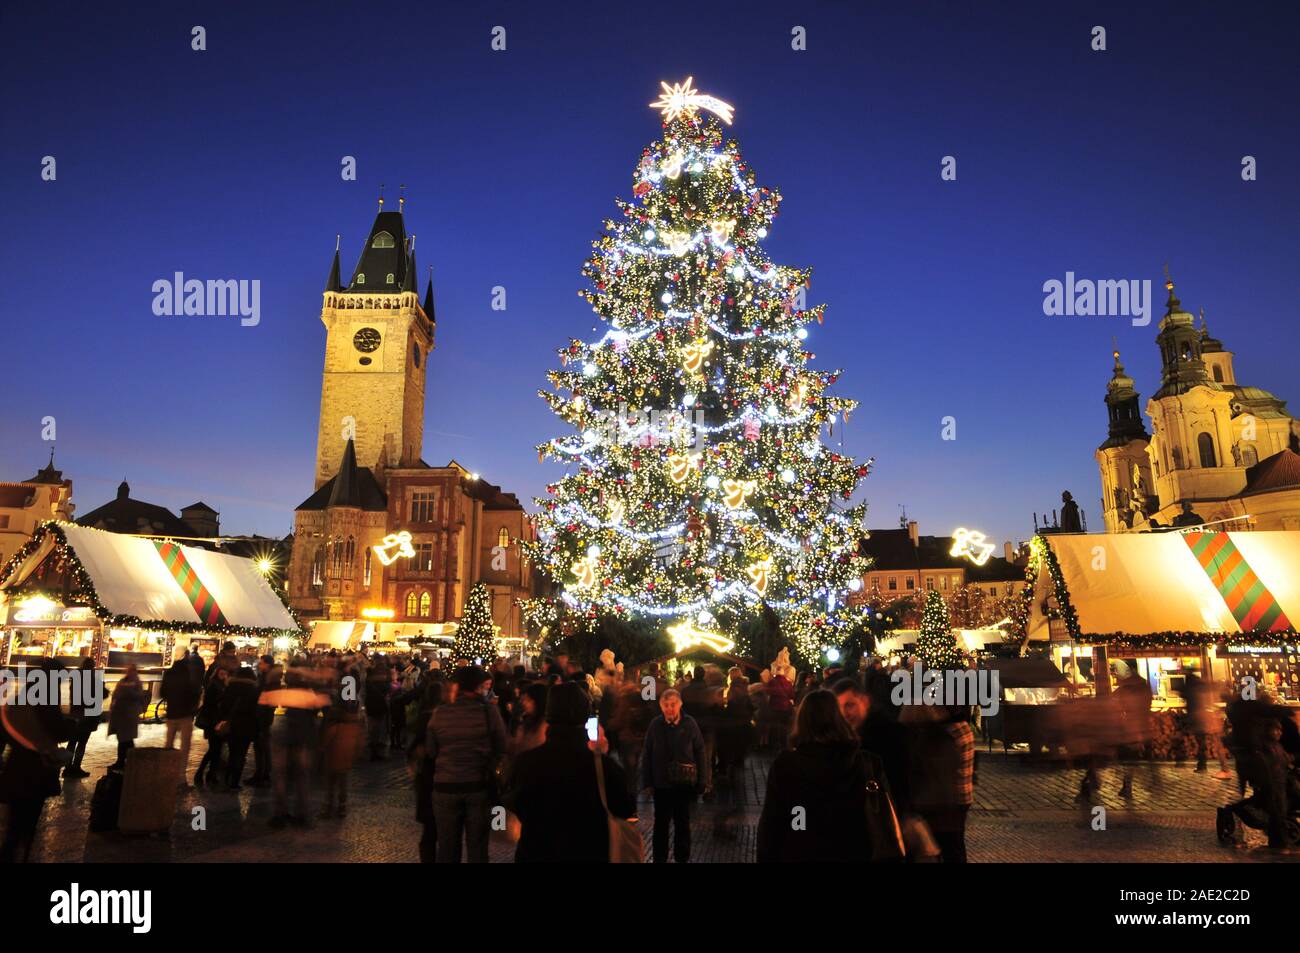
{"points": [[350, 553], [422, 506], [361, 278], [893, 583], [426, 605], [318, 567], [412, 603], [911, 583], [383, 240], [390, 278], [366, 581], [503, 537], [423, 561]]}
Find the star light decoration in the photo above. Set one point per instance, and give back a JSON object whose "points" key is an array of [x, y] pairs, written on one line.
{"points": [[687, 635], [682, 99]]}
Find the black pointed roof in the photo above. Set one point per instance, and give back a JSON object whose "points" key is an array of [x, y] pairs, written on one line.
{"points": [[428, 299], [351, 486], [409, 279], [384, 254], [334, 283], [47, 473]]}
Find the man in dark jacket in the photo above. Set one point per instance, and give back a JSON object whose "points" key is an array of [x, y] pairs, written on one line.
{"points": [[239, 711], [181, 690], [673, 766], [553, 788], [881, 735], [269, 677], [466, 741]]}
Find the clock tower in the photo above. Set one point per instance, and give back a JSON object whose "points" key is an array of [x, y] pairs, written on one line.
{"points": [[378, 338]]}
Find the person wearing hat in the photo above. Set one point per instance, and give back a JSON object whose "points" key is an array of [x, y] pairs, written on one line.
{"points": [[554, 790]]}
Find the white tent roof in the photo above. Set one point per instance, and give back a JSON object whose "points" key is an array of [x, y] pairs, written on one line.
{"points": [[131, 579], [1146, 583]]}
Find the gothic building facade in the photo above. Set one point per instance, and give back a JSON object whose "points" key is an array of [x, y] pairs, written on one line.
{"points": [[1217, 450], [386, 535]]}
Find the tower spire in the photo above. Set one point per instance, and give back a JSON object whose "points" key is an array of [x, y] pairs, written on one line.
{"points": [[334, 283], [428, 298]]}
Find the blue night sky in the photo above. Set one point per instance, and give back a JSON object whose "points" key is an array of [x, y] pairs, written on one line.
{"points": [[225, 164]]}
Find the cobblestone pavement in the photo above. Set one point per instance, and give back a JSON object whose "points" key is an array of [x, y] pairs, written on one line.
{"points": [[1023, 812]]}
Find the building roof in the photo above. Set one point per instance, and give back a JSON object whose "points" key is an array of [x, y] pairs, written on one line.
{"points": [[200, 505], [47, 474], [125, 515], [154, 582], [353, 485], [385, 253], [1278, 472], [892, 549]]}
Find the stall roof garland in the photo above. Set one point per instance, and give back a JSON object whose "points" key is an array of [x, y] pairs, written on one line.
{"points": [[83, 589], [1041, 554]]}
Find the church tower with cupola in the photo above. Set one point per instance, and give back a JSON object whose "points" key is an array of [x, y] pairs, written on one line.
{"points": [[378, 338], [1125, 468], [1219, 452]]}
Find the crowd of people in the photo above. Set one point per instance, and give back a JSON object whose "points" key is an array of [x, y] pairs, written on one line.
{"points": [[564, 761]]}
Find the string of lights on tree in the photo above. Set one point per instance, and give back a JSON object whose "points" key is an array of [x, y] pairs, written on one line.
{"points": [[698, 486], [936, 646], [81, 590], [476, 638]]}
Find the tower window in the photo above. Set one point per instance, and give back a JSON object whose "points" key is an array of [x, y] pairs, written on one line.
{"points": [[390, 277], [383, 240], [366, 581], [1205, 444], [422, 506], [1218, 373], [361, 278], [503, 537]]}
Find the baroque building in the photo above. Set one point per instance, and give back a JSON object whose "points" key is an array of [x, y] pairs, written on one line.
{"points": [[385, 535], [26, 505], [1217, 450]]}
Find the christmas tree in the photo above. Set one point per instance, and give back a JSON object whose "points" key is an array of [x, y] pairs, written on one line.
{"points": [[476, 638], [698, 488], [936, 645]]}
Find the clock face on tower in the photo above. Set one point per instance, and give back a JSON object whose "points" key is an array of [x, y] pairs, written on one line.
{"points": [[366, 340]]}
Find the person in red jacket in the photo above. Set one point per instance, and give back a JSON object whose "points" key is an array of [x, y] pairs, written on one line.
{"points": [[780, 705]]}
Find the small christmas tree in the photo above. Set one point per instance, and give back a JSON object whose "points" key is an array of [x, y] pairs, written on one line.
{"points": [[936, 646], [476, 638]]}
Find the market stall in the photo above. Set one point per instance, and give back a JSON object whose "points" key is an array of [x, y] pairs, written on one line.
{"points": [[73, 592], [1165, 607]]}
